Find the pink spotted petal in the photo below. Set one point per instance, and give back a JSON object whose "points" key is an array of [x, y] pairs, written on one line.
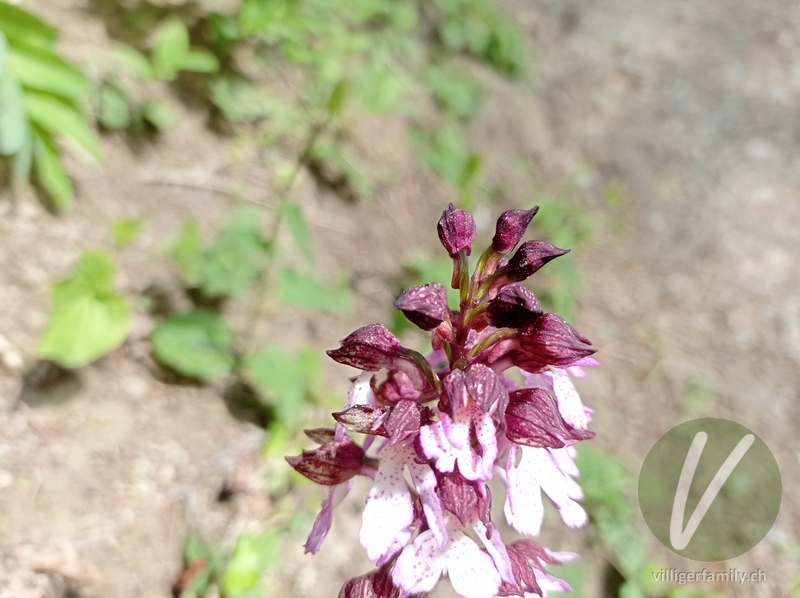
{"points": [[436, 445], [490, 537], [569, 403], [419, 566], [471, 571], [389, 511], [487, 437], [523, 507], [447, 442], [425, 482], [565, 461], [557, 485]]}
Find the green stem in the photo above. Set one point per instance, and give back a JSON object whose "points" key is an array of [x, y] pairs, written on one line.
{"points": [[496, 336], [262, 283]]}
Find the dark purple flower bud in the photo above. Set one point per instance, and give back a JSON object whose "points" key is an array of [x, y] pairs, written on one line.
{"points": [[550, 341], [425, 306], [531, 256], [332, 463], [363, 419], [375, 584], [320, 435], [405, 420], [369, 348], [532, 419], [396, 387], [510, 229], [456, 230], [514, 307], [463, 498]]}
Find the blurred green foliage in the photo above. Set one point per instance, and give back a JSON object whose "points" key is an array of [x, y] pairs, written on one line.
{"points": [[121, 104], [89, 318], [197, 344], [227, 266], [43, 99], [234, 574]]}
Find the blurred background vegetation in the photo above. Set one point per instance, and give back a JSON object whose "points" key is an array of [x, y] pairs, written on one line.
{"points": [[334, 107]]}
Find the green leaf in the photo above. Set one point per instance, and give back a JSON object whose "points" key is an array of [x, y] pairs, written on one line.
{"points": [[43, 70], [186, 250], [88, 318], [158, 114], [253, 555], [238, 99], [381, 89], [133, 60], [126, 231], [457, 93], [255, 15], [113, 111], [199, 60], [59, 118], [231, 263], [338, 98], [13, 117], [3, 50], [20, 25], [50, 174], [301, 290], [197, 344], [23, 162], [504, 50], [444, 150], [287, 381], [171, 48], [195, 548], [292, 213]]}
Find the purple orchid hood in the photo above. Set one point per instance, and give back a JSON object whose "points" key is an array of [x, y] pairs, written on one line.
{"points": [[437, 429]]}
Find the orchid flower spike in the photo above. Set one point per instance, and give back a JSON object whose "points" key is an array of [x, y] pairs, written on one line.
{"points": [[436, 430]]}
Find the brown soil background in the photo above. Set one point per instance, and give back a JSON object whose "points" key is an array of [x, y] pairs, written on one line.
{"points": [[689, 107]]}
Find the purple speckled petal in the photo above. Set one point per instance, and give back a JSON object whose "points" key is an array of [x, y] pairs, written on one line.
{"points": [[420, 565], [471, 571], [569, 402], [523, 507], [537, 470], [436, 445], [389, 511], [424, 480], [490, 537]]}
